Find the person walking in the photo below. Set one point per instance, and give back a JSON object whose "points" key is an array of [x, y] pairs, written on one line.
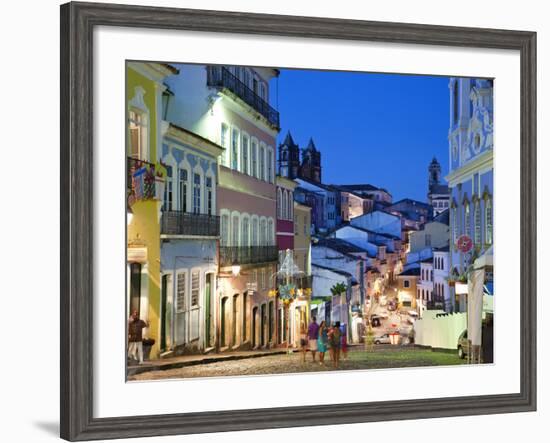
{"points": [[334, 343], [135, 336], [313, 337], [322, 342], [344, 341], [303, 341]]}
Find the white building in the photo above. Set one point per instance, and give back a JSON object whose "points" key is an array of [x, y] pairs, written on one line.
{"points": [[441, 277]]}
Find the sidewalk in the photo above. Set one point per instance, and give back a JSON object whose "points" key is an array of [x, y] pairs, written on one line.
{"points": [[191, 360]]}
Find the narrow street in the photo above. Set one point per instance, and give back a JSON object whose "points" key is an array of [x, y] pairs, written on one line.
{"points": [[382, 356]]}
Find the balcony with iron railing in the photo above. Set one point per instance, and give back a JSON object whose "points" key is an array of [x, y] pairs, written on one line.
{"points": [[244, 255], [301, 282], [189, 224], [221, 77]]}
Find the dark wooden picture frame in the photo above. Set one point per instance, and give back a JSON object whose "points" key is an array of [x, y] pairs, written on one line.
{"points": [[77, 218]]}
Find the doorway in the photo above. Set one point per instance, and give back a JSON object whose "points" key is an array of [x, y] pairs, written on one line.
{"points": [[223, 313], [253, 331], [208, 335]]}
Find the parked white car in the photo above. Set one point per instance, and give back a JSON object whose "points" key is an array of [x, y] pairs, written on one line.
{"points": [[383, 339]]}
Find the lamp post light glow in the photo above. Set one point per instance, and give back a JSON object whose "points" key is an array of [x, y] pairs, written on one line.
{"points": [[235, 270]]}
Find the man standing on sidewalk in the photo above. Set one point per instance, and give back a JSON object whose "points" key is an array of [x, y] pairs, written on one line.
{"points": [[313, 336], [135, 337]]}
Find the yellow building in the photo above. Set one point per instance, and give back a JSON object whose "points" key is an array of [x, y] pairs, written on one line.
{"points": [[406, 288], [145, 190]]}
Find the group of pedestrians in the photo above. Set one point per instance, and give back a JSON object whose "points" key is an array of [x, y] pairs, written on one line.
{"points": [[322, 338]]}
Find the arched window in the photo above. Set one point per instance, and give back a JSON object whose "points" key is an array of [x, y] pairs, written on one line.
{"points": [[183, 190], [489, 221], [235, 230], [467, 219], [169, 190], [455, 101], [197, 193], [263, 232], [290, 206], [262, 163], [224, 230], [245, 231], [254, 158], [477, 223], [235, 149], [244, 155], [254, 236], [270, 232], [279, 204], [285, 205]]}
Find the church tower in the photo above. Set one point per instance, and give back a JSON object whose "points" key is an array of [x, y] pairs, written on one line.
{"points": [[434, 174], [438, 192], [289, 158], [310, 168]]}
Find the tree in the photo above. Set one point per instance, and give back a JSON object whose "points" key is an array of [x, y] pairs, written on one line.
{"points": [[338, 289]]}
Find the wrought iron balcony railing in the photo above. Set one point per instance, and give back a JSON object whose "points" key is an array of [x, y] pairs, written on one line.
{"points": [[188, 223], [243, 255], [302, 282], [221, 77]]}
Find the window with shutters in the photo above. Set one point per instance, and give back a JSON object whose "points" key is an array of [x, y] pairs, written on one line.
{"points": [[235, 150], [181, 290], [169, 190], [224, 230], [195, 287], [209, 196], [196, 193], [235, 231], [138, 135], [254, 156], [477, 221], [244, 155], [467, 220], [224, 143], [262, 163], [489, 222], [183, 190]]}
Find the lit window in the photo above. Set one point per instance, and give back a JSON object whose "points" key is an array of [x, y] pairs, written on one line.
{"points": [[235, 150], [138, 135], [223, 142]]}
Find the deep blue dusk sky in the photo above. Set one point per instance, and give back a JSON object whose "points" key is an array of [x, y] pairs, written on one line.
{"points": [[381, 129]]}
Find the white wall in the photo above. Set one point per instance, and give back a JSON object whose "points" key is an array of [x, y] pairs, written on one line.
{"points": [[439, 332], [29, 57]]}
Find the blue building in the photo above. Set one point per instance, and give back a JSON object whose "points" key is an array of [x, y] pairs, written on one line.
{"points": [[470, 171]]}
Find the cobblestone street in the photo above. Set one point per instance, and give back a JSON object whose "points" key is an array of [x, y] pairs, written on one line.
{"points": [[380, 357]]}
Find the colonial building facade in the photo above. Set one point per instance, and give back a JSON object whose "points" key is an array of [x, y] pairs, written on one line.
{"points": [[470, 171], [229, 105], [145, 189]]}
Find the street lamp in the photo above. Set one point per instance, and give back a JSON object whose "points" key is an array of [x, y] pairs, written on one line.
{"points": [[235, 270]]}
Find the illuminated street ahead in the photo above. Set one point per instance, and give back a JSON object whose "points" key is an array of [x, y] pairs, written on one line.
{"points": [[383, 356]]}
